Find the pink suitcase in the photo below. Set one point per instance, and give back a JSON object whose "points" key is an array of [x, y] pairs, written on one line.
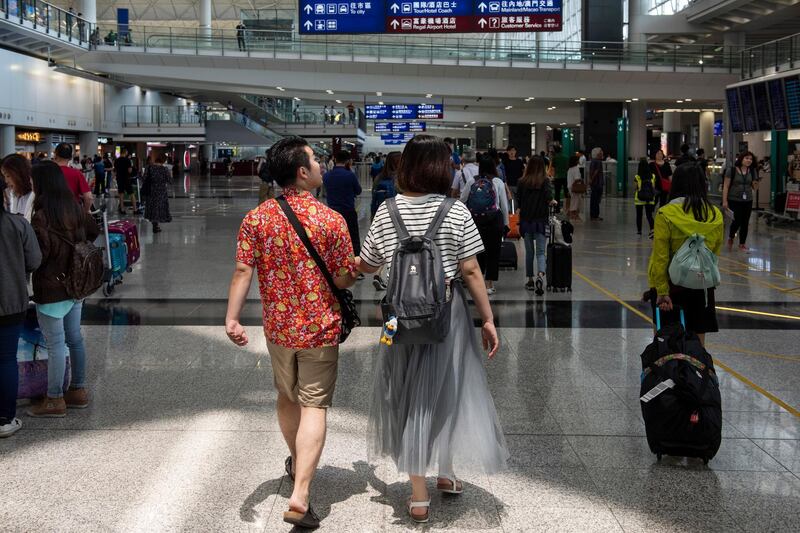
{"points": [[131, 233]]}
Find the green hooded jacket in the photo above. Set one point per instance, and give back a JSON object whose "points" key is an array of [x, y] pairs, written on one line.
{"points": [[673, 226]]}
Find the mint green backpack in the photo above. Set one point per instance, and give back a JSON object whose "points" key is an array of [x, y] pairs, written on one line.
{"points": [[694, 265]]}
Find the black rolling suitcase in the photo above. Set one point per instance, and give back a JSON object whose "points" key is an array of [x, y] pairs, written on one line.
{"points": [[559, 262], [680, 397], [508, 255]]}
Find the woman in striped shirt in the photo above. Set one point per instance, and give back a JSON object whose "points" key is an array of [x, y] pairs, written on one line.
{"points": [[432, 409]]}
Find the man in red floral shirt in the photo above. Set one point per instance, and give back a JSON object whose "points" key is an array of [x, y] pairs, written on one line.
{"points": [[302, 318]]}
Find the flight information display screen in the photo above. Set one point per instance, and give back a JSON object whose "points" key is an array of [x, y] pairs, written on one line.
{"points": [[734, 110], [748, 108], [763, 115], [792, 86], [404, 111], [778, 105], [399, 127]]}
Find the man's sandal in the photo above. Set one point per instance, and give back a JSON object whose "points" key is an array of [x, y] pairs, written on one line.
{"points": [[450, 486], [420, 519], [308, 520], [288, 465]]}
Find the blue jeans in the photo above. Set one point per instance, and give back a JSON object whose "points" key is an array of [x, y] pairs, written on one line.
{"points": [[58, 334], [540, 239], [9, 375]]}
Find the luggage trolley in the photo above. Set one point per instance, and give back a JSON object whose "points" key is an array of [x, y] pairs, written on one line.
{"points": [[116, 257]]}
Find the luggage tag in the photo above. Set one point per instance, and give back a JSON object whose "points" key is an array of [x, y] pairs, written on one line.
{"points": [[658, 389]]}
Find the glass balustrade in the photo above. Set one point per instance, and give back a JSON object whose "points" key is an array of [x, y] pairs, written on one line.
{"points": [[51, 20], [432, 50], [781, 54]]}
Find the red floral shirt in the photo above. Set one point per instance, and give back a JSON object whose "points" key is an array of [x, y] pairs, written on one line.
{"points": [[300, 311]]}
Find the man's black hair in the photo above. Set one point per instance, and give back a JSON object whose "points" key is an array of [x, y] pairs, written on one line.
{"points": [[285, 157], [684, 148], [341, 157], [63, 151]]}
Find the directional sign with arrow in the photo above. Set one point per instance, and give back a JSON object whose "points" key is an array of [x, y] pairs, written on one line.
{"points": [[441, 16]]}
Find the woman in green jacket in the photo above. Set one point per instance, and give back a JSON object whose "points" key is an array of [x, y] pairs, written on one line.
{"points": [[687, 213], [645, 196]]}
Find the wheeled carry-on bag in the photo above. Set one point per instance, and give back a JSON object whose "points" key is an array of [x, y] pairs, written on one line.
{"points": [[128, 230], [680, 397], [508, 255], [559, 261]]}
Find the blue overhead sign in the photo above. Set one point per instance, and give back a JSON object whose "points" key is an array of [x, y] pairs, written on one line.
{"points": [[399, 127], [397, 136], [440, 16], [404, 111]]}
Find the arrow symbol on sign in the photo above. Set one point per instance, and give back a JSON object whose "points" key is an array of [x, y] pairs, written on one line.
{"points": [[308, 9], [308, 24], [482, 7], [395, 8], [395, 24], [482, 23]]}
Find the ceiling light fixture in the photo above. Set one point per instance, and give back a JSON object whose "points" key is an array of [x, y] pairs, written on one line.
{"points": [[328, 91], [338, 101], [678, 101], [628, 101], [473, 122], [635, 99], [380, 103], [429, 95], [280, 89], [502, 123], [582, 99], [296, 98], [687, 99], [378, 93]]}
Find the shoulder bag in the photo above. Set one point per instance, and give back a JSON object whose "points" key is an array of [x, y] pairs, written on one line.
{"points": [[350, 319]]}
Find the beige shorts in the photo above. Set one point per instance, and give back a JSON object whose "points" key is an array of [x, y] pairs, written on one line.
{"points": [[306, 376]]}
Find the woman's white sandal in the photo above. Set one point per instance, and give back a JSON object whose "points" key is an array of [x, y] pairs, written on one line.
{"points": [[452, 486], [420, 519]]}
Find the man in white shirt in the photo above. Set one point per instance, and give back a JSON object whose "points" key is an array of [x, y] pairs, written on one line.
{"points": [[469, 170]]}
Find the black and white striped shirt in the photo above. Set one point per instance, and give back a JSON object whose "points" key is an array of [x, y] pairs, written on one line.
{"points": [[457, 238]]}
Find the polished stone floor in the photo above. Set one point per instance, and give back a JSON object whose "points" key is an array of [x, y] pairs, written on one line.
{"points": [[182, 434]]}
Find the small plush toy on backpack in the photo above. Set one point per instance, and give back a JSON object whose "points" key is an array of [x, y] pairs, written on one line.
{"points": [[389, 331]]}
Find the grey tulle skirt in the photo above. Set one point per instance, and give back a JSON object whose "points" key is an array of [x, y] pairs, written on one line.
{"points": [[432, 412]]}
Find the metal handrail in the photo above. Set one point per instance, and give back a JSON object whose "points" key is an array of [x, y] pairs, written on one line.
{"points": [[51, 20], [470, 50], [770, 57]]}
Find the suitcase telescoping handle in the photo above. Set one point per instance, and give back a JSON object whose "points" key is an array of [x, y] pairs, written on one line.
{"points": [[658, 318]]}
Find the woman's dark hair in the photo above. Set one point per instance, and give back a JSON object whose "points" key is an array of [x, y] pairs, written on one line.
{"points": [[741, 157], [487, 167], [574, 160], [390, 166], [160, 159], [18, 170], [55, 199], [535, 175], [644, 168], [689, 183], [655, 153], [425, 166], [494, 154], [285, 157]]}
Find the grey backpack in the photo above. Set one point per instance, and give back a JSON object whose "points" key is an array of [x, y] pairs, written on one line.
{"points": [[417, 295]]}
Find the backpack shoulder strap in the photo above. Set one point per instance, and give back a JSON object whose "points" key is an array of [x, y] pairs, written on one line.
{"points": [[438, 218], [397, 220]]}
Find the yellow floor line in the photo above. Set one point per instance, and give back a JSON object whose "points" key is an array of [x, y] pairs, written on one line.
{"points": [[719, 363], [736, 349], [750, 267], [759, 313], [756, 281]]}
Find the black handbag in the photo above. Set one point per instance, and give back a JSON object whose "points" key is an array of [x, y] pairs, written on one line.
{"points": [[350, 319]]}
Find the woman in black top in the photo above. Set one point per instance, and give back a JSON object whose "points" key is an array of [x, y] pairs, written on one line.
{"points": [[737, 195], [157, 179], [534, 198], [663, 172]]}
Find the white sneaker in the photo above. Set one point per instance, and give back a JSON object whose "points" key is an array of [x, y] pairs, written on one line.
{"points": [[9, 429]]}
